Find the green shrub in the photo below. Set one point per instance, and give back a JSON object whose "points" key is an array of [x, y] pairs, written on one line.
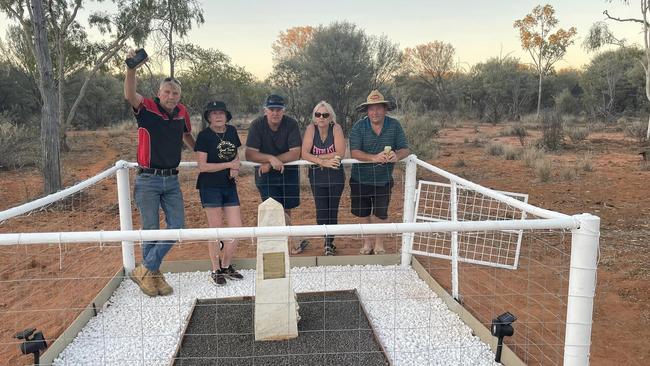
{"points": [[552, 131], [567, 103], [420, 130]]}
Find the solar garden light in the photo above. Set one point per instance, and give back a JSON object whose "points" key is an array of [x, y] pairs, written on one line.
{"points": [[502, 327], [34, 343]]}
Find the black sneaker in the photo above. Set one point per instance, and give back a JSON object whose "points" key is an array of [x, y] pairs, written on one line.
{"points": [[218, 277], [232, 273], [330, 250]]}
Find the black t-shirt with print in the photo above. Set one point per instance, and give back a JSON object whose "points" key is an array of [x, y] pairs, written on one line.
{"points": [[221, 148]]}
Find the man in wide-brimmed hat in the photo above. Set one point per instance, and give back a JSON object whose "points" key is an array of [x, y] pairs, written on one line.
{"points": [[379, 140]]}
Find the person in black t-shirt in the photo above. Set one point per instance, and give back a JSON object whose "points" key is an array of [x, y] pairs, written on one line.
{"points": [[163, 127], [274, 139], [216, 155]]}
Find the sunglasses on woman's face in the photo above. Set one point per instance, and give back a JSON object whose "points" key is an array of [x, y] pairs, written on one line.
{"points": [[319, 115]]}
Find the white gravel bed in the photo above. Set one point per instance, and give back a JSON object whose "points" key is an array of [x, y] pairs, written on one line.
{"points": [[412, 323]]}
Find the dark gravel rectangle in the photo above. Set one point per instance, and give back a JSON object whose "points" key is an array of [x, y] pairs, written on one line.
{"points": [[333, 330]]}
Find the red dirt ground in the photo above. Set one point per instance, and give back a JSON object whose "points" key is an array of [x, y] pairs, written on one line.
{"points": [[61, 280]]}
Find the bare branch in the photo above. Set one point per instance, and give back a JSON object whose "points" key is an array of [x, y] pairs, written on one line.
{"points": [[606, 13]]}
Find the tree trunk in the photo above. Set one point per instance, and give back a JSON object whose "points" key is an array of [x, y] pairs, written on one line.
{"points": [[170, 45], [61, 63], [539, 96], [171, 55], [49, 119]]}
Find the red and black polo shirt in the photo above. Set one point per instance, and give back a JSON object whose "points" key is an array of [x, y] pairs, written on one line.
{"points": [[160, 134]]}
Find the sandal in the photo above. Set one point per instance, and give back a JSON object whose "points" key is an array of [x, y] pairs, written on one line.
{"points": [[301, 247], [365, 251], [380, 251]]}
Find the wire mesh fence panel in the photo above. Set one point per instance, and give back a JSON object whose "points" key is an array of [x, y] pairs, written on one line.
{"points": [[536, 293], [498, 248]]}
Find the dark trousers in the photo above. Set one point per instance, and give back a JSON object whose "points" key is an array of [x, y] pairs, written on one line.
{"points": [[326, 199]]}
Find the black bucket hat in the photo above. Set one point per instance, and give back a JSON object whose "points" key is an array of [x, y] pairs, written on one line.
{"points": [[216, 105]]}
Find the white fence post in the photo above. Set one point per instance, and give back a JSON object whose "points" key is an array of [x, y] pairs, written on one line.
{"points": [[410, 182], [582, 287], [453, 211], [126, 223]]}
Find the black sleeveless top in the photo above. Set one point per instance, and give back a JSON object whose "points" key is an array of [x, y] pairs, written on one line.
{"points": [[325, 176]]}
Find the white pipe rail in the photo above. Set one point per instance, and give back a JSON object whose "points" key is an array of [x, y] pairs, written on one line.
{"points": [[408, 213], [537, 211], [582, 289], [41, 202], [282, 231]]}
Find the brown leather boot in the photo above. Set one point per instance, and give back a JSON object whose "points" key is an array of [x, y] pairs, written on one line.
{"points": [[163, 287], [145, 280]]}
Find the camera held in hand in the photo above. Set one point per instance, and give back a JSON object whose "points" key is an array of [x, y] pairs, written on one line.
{"points": [[137, 59]]}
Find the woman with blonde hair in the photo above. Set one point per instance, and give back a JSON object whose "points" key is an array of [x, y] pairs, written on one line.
{"points": [[324, 144]]}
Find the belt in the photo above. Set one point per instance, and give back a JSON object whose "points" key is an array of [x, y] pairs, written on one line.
{"points": [[161, 172]]}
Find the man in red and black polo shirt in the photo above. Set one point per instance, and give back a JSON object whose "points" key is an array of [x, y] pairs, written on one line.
{"points": [[163, 126]]}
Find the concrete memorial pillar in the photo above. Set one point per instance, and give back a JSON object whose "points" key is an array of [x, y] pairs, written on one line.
{"points": [[276, 309]]}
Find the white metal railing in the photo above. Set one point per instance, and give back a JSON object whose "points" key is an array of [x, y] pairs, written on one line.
{"points": [[584, 247]]}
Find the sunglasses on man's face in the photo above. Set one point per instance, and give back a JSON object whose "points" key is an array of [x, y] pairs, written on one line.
{"points": [[173, 80], [319, 115]]}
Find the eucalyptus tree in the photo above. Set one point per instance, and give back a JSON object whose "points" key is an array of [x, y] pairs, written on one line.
{"points": [[50, 26]]}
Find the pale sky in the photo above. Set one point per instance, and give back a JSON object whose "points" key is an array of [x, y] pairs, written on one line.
{"points": [[246, 29]]}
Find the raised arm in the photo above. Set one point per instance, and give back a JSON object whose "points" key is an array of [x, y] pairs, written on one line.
{"points": [[130, 91]]}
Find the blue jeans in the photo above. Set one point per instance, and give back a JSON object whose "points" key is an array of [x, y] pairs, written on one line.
{"points": [[152, 192]]}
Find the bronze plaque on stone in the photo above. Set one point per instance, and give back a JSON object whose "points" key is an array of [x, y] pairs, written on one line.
{"points": [[273, 265]]}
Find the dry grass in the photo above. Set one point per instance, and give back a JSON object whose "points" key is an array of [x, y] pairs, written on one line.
{"points": [[636, 130], [569, 172], [542, 169], [495, 149], [511, 153], [577, 134], [585, 164], [531, 154], [19, 146]]}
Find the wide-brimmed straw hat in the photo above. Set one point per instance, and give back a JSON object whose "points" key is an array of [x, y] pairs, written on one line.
{"points": [[375, 97]]}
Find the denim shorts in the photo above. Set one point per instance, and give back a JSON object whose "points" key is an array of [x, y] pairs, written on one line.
{"points": [[219, 196]]}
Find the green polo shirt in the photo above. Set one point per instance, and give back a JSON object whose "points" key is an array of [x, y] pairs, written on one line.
{"points": [[363, 138]]}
